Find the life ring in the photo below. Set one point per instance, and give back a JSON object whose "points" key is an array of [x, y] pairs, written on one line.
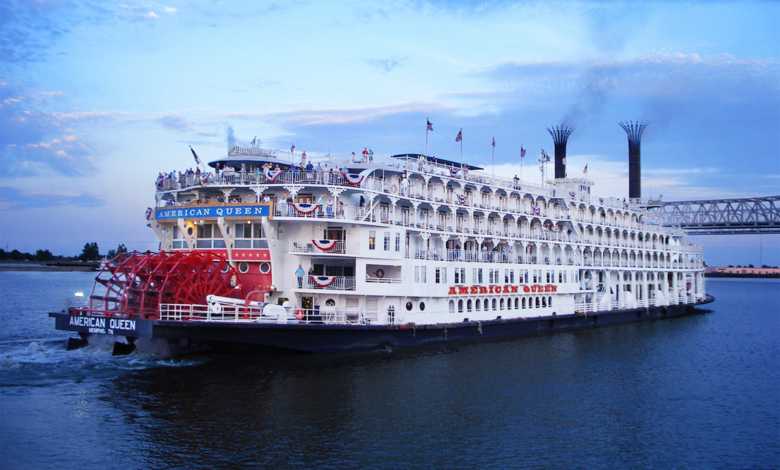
{"points": [[380, 273], [394, 189], [299, 314]]}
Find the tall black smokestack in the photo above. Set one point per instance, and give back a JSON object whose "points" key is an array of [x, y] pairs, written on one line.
{"points": [[560, 135], [634, 131]]}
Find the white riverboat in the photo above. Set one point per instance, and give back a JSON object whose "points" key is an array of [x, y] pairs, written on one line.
{"points": [[269, 249]]}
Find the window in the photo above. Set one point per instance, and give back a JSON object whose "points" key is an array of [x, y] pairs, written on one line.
{"points": [[249, 236], [423, 277], [479, 276], [502, 304], [397, 242], [511, 276], [477, 305], [265, 268], [506, 276], [387, 241], [422, 306], [443, 275], [371, 239], [452, 306], [416, 274], [437, 276], [409, 306], [468, 306], [462, 275], [177, 238], [243, 267], [548, 276], [457, 276], [209, 236], [494, 304], [460, 306]]}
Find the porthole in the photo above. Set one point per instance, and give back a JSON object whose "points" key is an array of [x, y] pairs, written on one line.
{"points": [[243, 267], [225, 267], [330, 303], [422, 306], [265, 268], [189, 230], [409, 306]]}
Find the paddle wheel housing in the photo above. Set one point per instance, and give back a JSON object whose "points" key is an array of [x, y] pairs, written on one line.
{"points": [[135, 284]]}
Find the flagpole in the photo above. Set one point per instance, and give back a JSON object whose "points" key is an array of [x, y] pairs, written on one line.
{"points": [[426, 137], [461, 148], [493, 160], [521, 163]]}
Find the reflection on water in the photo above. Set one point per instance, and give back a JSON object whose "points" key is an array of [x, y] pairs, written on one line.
{"points": [[700, 391]]}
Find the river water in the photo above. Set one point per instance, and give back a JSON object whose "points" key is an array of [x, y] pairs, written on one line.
{"points": [[696, 392]]}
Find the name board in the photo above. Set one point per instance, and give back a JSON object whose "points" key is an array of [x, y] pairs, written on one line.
{"points": [[102, 325], [260, 210], [472, 290]]}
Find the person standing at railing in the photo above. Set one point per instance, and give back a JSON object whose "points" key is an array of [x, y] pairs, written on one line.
{"points": [[309, 171], [319, 205], [318, 174], [299, 274], [243, 173], [283, 207], [370, 156], [341, 209], [330, 208], [365, 155]]}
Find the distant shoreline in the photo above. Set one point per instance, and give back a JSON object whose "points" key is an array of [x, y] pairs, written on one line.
{"points": [[54, 267], [744, 276]]}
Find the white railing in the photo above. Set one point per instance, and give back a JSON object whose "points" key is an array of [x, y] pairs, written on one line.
{"points": [[339, 283], [302, 245], [384, 280]]}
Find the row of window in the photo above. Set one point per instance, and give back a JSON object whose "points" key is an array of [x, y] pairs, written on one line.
{"points": [[511, 303], [209, 236], [524, 276], [386, 244]]}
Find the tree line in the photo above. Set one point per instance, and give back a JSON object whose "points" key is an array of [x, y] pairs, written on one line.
{"points": [[90, 252]]}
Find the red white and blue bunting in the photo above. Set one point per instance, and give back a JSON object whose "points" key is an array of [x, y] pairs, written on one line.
{"points": [[352, 178], [305, 208], [325, 245], [572, 194], [537, 211], [454, 172], [462, 198], [323, 281], [271, 175]]}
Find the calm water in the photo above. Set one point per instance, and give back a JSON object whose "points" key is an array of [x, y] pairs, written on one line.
{"points": [[695, 392]]}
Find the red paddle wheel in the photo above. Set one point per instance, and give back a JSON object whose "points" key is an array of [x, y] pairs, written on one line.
{"points": [[136, 284]]}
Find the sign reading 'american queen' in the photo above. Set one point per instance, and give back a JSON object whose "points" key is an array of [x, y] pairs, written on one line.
{"points": [[471, 290]]}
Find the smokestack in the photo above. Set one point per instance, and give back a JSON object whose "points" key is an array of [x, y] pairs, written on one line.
{"points": [[634, 131], [560, 135]]}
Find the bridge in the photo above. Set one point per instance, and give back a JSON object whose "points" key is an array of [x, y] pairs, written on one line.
{"points": [[754, 215]]}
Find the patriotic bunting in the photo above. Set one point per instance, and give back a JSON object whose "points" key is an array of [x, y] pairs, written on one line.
{"points": [[323, 281], [352, 178], [537, 210], [271, 175], [454, 172], [305, 208], [572, 194], [462, 198], [325, 245], [601, 201]]}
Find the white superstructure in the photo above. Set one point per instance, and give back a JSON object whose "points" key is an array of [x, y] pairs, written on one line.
{"points": [[409, 239]]}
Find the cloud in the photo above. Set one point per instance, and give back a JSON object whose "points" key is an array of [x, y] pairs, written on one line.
{"points": [[174, 122], [386, 65], [150, 16], [169, 10], [12, 199], [35, 142]]}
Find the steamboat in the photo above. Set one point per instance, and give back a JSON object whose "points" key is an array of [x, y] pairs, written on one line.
{"points": [[271, 251]]}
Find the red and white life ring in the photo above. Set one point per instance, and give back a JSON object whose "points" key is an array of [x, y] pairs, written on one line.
{"points": [[380, 273], [299, 314]]}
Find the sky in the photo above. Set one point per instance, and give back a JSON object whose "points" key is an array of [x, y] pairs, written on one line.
{"points": [[96, 98]]}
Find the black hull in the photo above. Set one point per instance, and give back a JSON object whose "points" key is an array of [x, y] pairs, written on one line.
{"points": [[321, 338]]}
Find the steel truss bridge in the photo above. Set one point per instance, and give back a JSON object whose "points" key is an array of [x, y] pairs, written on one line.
{"points": [[755, 215]]}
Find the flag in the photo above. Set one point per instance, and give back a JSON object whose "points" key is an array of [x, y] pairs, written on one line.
{"points": [[254, 141], [522, 152], [459, 137], [430, 126], [292, 149], [585, 171], [304, 153], [197, 160], [494, 142]]}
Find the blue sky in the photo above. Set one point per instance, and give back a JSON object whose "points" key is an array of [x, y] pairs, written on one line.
{"points": [[96, 98]]}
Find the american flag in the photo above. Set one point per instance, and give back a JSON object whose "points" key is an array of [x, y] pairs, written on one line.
{"points": [[254, 141], [459, 137], [522, 152], [430, 126], [197, 160], [494, 142], [585, 171], [292, 149]]}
